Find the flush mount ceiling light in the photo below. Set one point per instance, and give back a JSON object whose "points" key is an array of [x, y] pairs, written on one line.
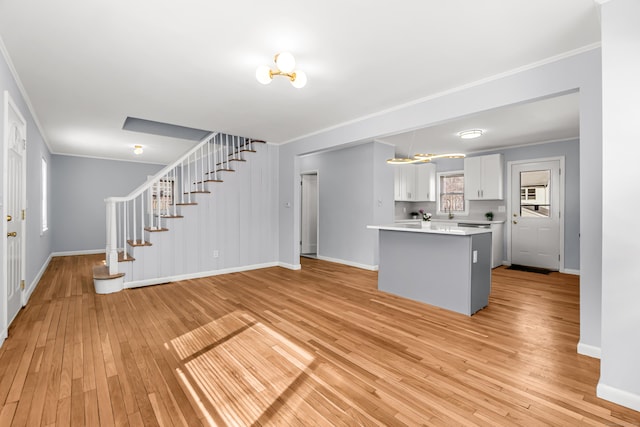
{"points": [[285, 66], [470, 134], [423, 158], [137, 149]]}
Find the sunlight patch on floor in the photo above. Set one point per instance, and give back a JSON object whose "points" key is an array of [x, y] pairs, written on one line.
{"points": [[237, 369]]}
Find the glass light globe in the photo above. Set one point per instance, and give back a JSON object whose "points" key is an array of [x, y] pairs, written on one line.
{"points": [[263, 74], [300, 80], [285, 62]]}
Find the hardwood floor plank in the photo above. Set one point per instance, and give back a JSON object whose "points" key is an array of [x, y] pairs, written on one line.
{"points": [[320, 346]]}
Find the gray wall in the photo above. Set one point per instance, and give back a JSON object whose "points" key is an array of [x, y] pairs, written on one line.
{"points": [[80, 186], [355, 190], [38, 247]]}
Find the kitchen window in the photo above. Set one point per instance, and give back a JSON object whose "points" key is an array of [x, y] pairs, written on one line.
{"points": [[451, 193]]}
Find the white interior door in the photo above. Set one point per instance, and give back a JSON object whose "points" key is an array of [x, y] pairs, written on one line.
{"points": [[535, 216], [15, 155], [309, 212]]}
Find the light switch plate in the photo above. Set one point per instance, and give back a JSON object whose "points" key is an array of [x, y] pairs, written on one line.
{"points": [[475, 256]]}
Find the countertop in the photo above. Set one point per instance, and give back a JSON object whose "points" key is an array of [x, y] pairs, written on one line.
{"points": [[455, 220], [432, 228]]}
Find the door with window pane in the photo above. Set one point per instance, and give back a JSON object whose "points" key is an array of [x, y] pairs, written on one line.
{"points": [[535, 216]]}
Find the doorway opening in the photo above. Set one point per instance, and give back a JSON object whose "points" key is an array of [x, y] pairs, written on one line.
{"points": [[309, 212]]}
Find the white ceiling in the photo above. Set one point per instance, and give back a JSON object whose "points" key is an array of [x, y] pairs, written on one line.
{"points": [[86, 66], [551, 119]]}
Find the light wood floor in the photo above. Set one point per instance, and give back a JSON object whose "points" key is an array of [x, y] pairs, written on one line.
{"points": [[320, 346]]}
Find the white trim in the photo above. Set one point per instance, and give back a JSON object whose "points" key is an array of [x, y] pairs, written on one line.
{"points": [[289, 266], [495, 77], [4, 334], [23, 92], [621, 397], [349, 263], [108, 286], [562, 183], [73, 253], [589, 350], [570, 271], [32, 287], [198, 275]]}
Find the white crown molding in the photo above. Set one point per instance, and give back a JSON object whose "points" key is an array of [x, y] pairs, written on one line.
{"points": [[23, 92], [495, 77]]}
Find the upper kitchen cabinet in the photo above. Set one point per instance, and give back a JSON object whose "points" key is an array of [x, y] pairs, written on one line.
{"points": [[415, 183], [483, 177]]}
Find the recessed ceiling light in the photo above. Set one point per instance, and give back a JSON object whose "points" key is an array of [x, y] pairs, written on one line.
{"points": [[470, 134], [137, 149]]}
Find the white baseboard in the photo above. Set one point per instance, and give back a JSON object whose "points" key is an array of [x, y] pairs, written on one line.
{"points": [[198, 275], [3, 336], [621, 397], [570, 271], [289, 266], [32, 286], [73, 253], [349, 263], [589, 350]]}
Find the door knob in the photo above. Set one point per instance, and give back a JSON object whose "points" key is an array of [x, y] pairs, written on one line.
{"points": [[9, 218], [12, 234], [515, 222]]}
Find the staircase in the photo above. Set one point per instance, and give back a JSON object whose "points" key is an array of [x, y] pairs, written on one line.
{"points": [[162, 231]]}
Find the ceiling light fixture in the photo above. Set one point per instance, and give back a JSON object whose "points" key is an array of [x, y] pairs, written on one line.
{"points": [[285, 66], [137, 149], [470, 134], [423, 158]]}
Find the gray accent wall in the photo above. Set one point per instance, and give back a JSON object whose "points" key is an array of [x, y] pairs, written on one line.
{"points": [[78, 218], [355, 188], [38, 245]]}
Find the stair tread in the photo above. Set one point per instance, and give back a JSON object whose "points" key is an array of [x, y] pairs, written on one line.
{"points": [[121, 257], [171, 216], [237, 160], [101, 272], [138, 243], [198, 192], [248, 151], [154, 230], [213, 180], [186, 204]]}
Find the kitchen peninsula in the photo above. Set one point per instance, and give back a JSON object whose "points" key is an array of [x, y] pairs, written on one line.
{"points": [[442, 265]]}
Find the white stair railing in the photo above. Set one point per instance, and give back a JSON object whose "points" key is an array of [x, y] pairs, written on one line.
{"points": [[145, 207]]}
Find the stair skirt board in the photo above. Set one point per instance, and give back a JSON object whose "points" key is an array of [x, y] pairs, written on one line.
{"points": [[198, 275]]}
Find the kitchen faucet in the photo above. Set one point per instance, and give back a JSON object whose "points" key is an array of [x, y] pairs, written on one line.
{"points": [[449, 207]]}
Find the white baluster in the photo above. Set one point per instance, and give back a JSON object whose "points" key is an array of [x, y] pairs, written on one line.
{"points": [[112, 238], [133, 228], [141, 218]]}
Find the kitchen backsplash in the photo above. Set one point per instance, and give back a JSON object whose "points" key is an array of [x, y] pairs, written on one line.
{"points": [[477, 209]]}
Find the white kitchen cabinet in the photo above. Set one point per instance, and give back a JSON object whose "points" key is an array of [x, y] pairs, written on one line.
{"points": [[415, 183], [483, 177]]}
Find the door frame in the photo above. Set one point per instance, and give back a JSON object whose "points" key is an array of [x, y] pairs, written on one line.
{"points": [[561, 184], [9, 103], [317, 174]]}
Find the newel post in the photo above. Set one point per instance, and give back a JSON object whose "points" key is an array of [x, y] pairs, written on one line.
{"points": [[112, 237]]}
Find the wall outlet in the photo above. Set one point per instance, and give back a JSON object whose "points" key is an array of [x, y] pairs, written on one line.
{"points": [[216, 254]]}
